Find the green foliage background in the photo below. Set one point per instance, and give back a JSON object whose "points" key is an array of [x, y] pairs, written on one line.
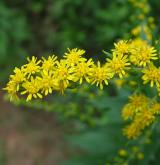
{"points": [[47, 27]]}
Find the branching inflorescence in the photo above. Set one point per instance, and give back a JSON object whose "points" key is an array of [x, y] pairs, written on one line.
{"points": [[38, 78]]}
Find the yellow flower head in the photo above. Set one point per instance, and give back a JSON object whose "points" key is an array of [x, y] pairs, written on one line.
{"points": [[142, 112], [47, 82], [12, 89], [142, 55], [14, 84], [64, 74], [155, 108], [82, 70], [18, 76], [152, 75], [32, 88], [49, 63], [137, 103], [136, 43], [128, 111], [121, 47], [32, 67], [132, 131], [74, 56], [100, 75], [118, 64], [145, 118]]}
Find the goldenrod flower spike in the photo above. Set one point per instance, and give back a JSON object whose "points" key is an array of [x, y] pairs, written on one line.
{"points": [[39, 78], [142, 112]]}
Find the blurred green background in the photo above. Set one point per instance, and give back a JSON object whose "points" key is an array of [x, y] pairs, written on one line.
{"points": [[36, 133], [49, 27]]}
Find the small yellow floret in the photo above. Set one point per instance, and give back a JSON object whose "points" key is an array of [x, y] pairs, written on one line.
{"points": [[100, 75], [74, 56], [32, 67], [32, 88], [49, 63], [152, 75], [118, 64]]}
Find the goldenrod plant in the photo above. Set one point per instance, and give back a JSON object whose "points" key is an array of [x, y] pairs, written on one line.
{"points": [[38, 78], [117, 95]]}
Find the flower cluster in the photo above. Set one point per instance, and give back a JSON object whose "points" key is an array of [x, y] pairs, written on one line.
{"points": [[142, 111], [145, 23], [38, 78]]}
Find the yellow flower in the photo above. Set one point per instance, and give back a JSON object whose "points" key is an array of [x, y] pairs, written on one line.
{"points": [[118, 64], [128, 111], [137, 43], [142, 55], [137, 103], [49, 64], [82, 70], [142, 111], [121, 47], [18, 76], [74, 56], [152, 75], [47, 81], [155, 108], [12, 89], [32, 88], [140, 122], [145, 118], [100, 75], [132, 131], [32, 67], [64, 74]]}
